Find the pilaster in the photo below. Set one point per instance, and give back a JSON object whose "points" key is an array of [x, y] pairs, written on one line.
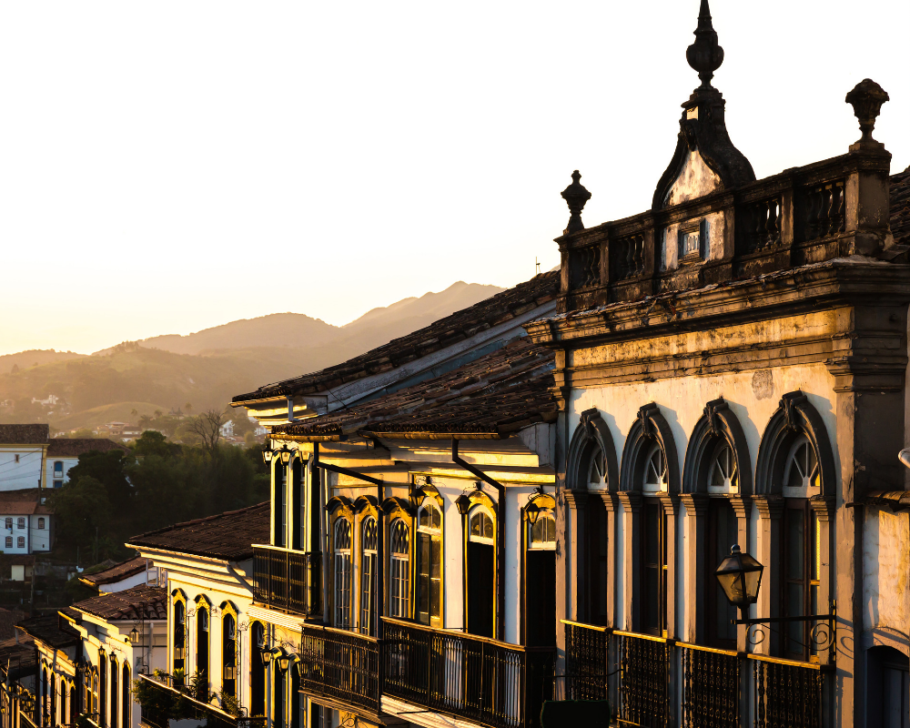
{"points": [[770, 509], [611, 503], [696, 542], [576, 539], [670, 503], [631, 514]]}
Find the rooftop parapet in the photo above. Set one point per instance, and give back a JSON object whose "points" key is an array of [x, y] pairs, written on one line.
{"points": [[711, 221]]}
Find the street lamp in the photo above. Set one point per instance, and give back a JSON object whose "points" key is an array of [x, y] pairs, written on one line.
{"points": [[285, 453], [134, 636], [267, 455], [533, 512], [739, 576]]}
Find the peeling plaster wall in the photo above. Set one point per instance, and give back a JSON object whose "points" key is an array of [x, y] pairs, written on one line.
{"points": [[886, 568], [695, 180]]}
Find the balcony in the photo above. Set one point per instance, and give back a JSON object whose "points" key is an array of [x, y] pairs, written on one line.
{"points": [[472, 678], [164, 697], [288, 580], [639, 674], [340, 665]]}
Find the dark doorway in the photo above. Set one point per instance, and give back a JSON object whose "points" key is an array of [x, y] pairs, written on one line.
{"points": [[481, 588], [888, 688], [596, 563], [723, 532], [540, 598]]}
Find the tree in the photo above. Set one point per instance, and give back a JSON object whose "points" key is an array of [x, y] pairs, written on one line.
{"points": [[158, 413], [188, 407], [82, 511], [107, 468], [154, 443], [134, 412], [207, 427]]}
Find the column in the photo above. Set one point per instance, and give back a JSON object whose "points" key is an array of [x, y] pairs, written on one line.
{"points": [[631, 514], [770, 510], [670, 502], [576, 536], [611, 503], [696, 522]]}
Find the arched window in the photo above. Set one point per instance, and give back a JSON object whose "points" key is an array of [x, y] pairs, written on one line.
{"points": [[801, 470], [179, 634], [280, 502], [655, 470], [53, 707], [279, 695], [370, 550], [126, 699], [723, 471], [96, 699], [64, 702], [257, 669], [342, 573], [229, 653], [481, 570], [399, 571], [115, 694], [102, 689], [202, 646], [429, 563], [540, 573]]}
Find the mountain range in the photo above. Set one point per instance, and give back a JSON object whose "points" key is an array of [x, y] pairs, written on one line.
{"points": [[204, 369]]}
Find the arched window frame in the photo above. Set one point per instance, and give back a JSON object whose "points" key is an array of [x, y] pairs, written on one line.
{"points": [[649, 523], [258, 672], [343, 534], [179, 630], [592, 442], [368, 563], [475, 504], [203, 632], [805, 517], [429, 535], [400, 548], [540, 508], [230, 668], [126, 697], [114, 691]]}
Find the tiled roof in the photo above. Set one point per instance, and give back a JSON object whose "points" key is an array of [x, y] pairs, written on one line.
{"points": [[20, 656], [460, 325], [73, 447], [23, 503], [51, 630], [900, 207], [226, 536], [140, 602], [8, 620], [494, 395], [117, 572], [24, 434]]}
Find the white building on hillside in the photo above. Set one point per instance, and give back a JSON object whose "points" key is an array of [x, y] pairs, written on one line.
{"points": [[63, 453], [22, 454], [26, 523]]}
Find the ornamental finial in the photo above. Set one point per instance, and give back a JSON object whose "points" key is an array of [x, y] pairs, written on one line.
{"points": [[867, 98], [576, 196], [705, 55]]}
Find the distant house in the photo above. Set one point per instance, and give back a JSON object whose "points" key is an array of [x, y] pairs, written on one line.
{"points": [[63, 453], [22, 454], [227, 429], [26, 523], [133, 572]]}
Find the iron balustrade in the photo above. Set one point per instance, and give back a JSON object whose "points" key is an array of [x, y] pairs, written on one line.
{"points": [[711, 687], [786, 693], [188, 707], [288, 580], [473, 678], [340, 664], [587, 651], [637, 674]]}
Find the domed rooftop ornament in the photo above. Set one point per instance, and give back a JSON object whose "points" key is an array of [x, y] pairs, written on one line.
{"points": [[703, 148], [705, 55]]}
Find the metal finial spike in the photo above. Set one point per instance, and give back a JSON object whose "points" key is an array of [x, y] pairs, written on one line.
{"points": [[704, 16]]}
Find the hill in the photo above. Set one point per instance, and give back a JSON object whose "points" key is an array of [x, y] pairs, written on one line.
{"points": [[34, 358], [206, 368]]}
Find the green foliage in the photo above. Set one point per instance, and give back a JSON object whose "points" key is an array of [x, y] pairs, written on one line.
{"points": [[82, 510], [230, 704], [112, 496]]}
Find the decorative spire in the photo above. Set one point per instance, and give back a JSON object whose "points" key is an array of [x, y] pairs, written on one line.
{"points": [[576, 196], [867, 98], [705, 55]]}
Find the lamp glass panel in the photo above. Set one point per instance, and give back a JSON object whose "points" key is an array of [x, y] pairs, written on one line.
{"points": [[753, 581]]}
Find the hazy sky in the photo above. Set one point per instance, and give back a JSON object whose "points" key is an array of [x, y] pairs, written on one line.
{"points": [[170, 166]]}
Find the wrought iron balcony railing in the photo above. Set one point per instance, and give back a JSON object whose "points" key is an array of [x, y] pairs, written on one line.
{"points": [[341, 665], [637, 674], [288, 580], [473, 678], [172, 698]]}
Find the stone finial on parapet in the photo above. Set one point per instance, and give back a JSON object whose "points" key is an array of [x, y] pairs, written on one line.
{"points": [[867, 99], [705, 55], [576, 197]]}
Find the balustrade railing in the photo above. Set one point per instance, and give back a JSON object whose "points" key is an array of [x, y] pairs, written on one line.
{"points": [[628, 257], [171, 698], [587, 267], [786, 693], [289, 580], [761, 224], [824, 210], [481, 680], [340, 664], [641, 676]]}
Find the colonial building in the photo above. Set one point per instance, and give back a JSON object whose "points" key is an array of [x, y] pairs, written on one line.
{"points": [[212, 667], [22, 456], [731, 369], [63, 453], [26, 523]]}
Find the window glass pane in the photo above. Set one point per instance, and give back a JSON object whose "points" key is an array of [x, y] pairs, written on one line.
{"points": [[815, 545], [437, 518], [436, 558], [652, 590], [795, 544], [652, 533], [487, 527], [795, 600], [476, 524]]}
